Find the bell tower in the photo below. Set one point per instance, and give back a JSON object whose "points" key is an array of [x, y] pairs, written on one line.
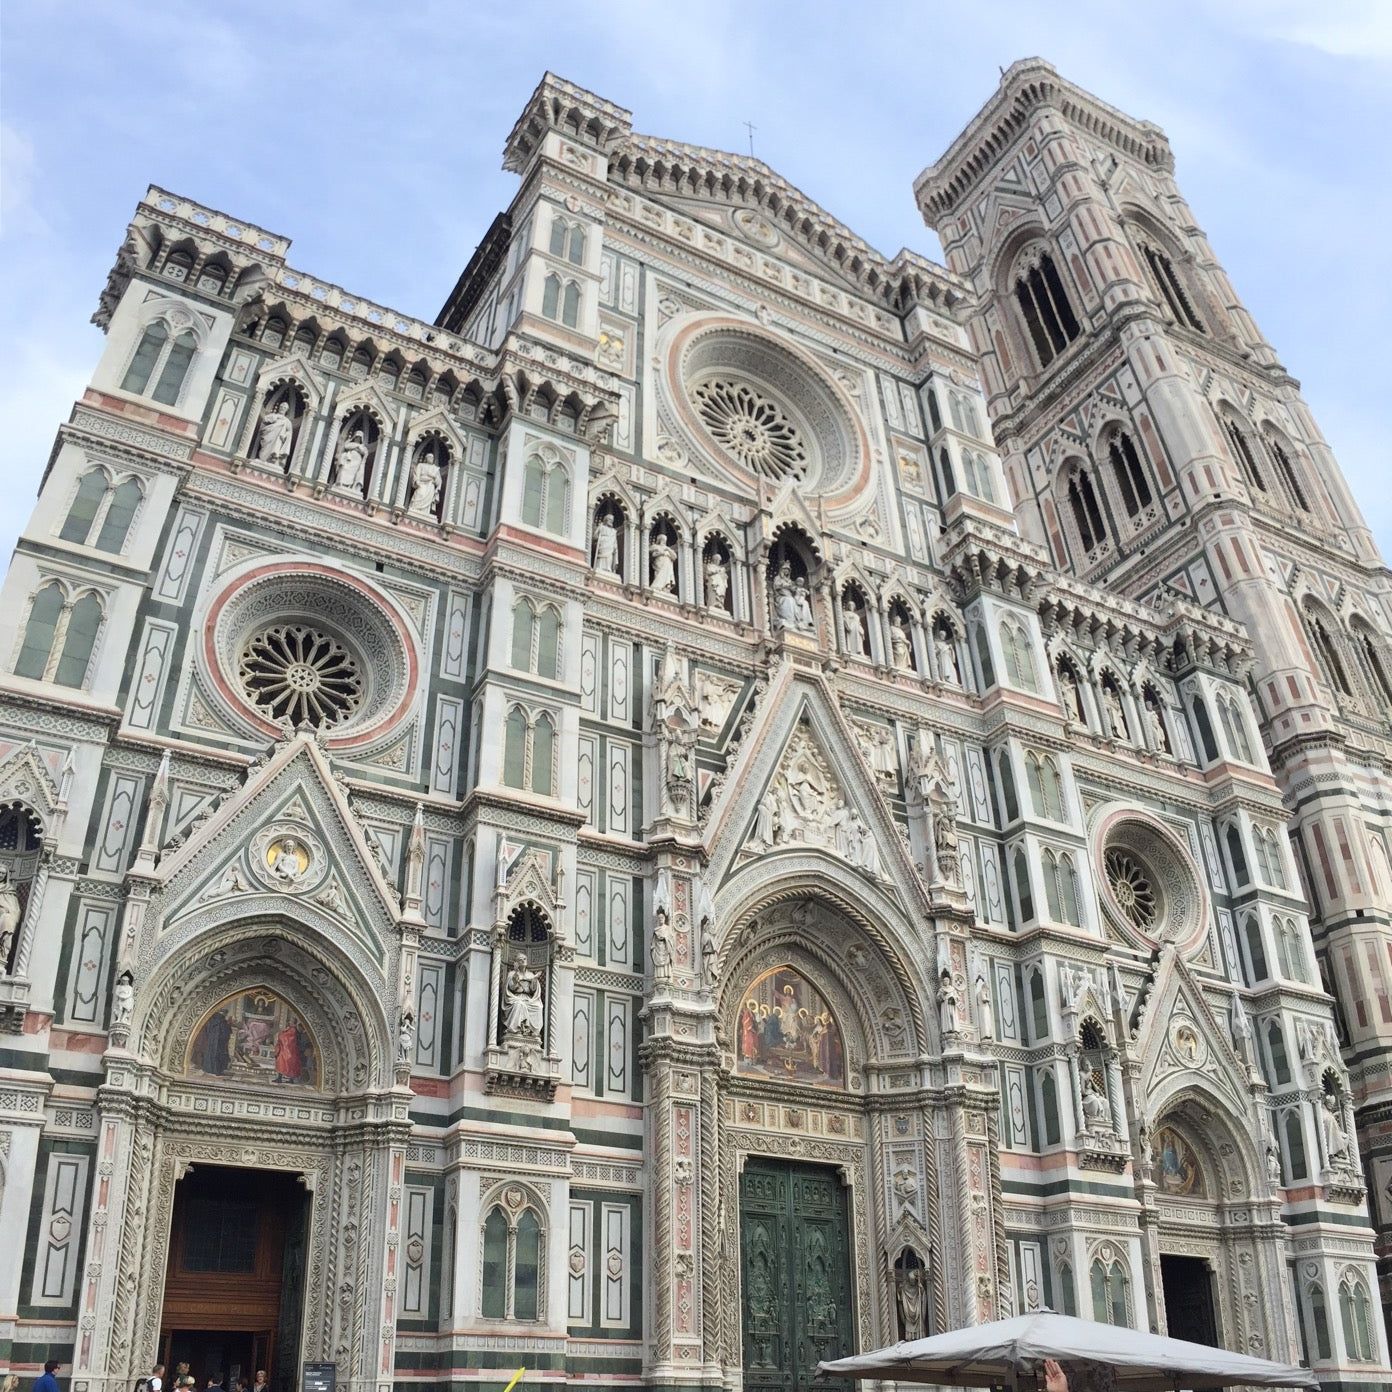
{"points": [[1154, 443]]}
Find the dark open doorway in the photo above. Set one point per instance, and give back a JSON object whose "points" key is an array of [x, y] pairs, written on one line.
{"points": [[1189, 1308], [234, 1290]]}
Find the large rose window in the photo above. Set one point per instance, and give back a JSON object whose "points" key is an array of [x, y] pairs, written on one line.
{"points": [[299, 673], [752, 427], [1151, 887]]}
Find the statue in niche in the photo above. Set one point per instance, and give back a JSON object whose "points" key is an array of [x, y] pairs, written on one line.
{"points": [[802, 607], [710, 953], [1273, 1161], [945, 838], [406, 1040], [350, 460], [717, 576], [426, 479], [900, 648], [664, 948], [1097, 1111], [853, 631], [911, 1301], [766, 821], [522, 1000], [275, 435], [1158, 733], [784, 598], [946, 653], [985, 1015], [123, 1000], [606, 544], [662, 556], [713, 700], [948, 1002], [1116, 714], [1241, 1030], [10, 915], [1336, 1141], [1072, 697]]}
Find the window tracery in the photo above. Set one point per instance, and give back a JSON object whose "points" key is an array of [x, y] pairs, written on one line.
{"points": [[1044, 304], [103, 506], [164, 357], [60, 635], [753, 427], [536, 638], [1167, 281], [546, 493], [298, 674], [513, 1273], [529, 751], [1132, 887], [1018, 654], [1130, 475]]}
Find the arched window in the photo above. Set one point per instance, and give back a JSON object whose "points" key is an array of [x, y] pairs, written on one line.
{"points": [[543, 756], [1068, 887], [306, 336], [59, 636], [1328, 654], [447, 1265], [978, 471], [1296, 1164], [1052, 898], [415, 384], [1044, 304], [1130, 474], [1237, 857], [529, 752], [1087, 515], [1242, 452], [515, 731], [1204, 726], [212, 278], [1067, 1296], [1010, 802], [120, 513], [147, 354], [360, 364], [1294, 941], [1039, 1009], [1019, 658], [1110, 1292], [332, 354], [495, 1259], [1171, 289], [545, 494], [1022, 886], [1048, 1097], [561, 300], [570, 304], [175, 369], [1355, 1316], [1256, 951], [567, 240], [1276, 1047], [1371, 652], [548, 643], [84, 622], [1235, 728], [91, 493], [1052, 787], [1319, 1317], [947, 479], [273, 334], [178, 265], [523, 624], [983, 655], [1288, 473]]}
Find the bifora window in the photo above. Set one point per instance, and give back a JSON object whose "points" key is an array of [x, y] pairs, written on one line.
{"points": [[753, 428], [295, 673], [1044, 303]]}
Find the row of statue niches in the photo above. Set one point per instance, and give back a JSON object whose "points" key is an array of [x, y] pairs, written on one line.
{"points": [[354, 457], [790, 599]]}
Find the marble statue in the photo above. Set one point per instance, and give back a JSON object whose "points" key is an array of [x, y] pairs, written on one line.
{"points": [[710, 952], [985, 1014], [802, 607], [284, 861], [900, 648], [351, 459], [606, 545], [784, 598], [664, 948], [1158, 733], [405, 1040], [663, 558], [946, 653], [1097, 1111], [123, 1000], [426, 479], [717, 576], [1072, 697], [522, 1002], [10, 914], [945, 839], [911, 1298], [947, 1004], [852, 631], [1336, 1141], [274, 438], [1116, 715]]}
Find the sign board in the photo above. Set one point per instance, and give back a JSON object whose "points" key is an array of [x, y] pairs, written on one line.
{"points": [[319, 1377]]}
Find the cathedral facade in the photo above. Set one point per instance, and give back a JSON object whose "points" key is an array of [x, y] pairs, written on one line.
{"points": [[727, 801]]}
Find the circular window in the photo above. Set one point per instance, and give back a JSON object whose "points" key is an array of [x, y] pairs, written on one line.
{"points": [[752, 427], [299, 643], [298, 673], [762, 410], [1131, 888], [1151, 888]]}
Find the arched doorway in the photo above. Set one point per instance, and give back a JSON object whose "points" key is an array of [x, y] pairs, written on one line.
{"points": [[830, 1206]]}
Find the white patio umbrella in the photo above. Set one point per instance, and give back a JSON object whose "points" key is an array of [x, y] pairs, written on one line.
{"points": [[1011, 1353]]}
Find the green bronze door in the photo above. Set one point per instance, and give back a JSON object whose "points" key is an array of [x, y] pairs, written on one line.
{"points": [[796, 1274]]}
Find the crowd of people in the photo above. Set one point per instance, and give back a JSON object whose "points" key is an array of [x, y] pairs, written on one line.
{"points": [[154, 1381]]}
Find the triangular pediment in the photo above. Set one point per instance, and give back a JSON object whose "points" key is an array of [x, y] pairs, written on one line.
{"points": [[288, 843], [1182, 1044], [801, 786]]}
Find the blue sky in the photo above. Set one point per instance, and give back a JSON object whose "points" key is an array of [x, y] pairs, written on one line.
{"points": [[371, 135]]}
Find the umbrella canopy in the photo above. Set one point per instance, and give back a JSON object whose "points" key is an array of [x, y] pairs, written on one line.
{"points": [[990, 1355]]}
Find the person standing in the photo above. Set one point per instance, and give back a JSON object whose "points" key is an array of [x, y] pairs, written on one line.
{"points": [[261, 1384], [46, 1381]]}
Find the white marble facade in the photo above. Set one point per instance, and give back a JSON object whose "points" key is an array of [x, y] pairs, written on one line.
{"points": [[714, 697]]}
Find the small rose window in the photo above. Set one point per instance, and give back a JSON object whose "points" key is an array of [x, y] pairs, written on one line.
{"points": [[294, 672]]}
